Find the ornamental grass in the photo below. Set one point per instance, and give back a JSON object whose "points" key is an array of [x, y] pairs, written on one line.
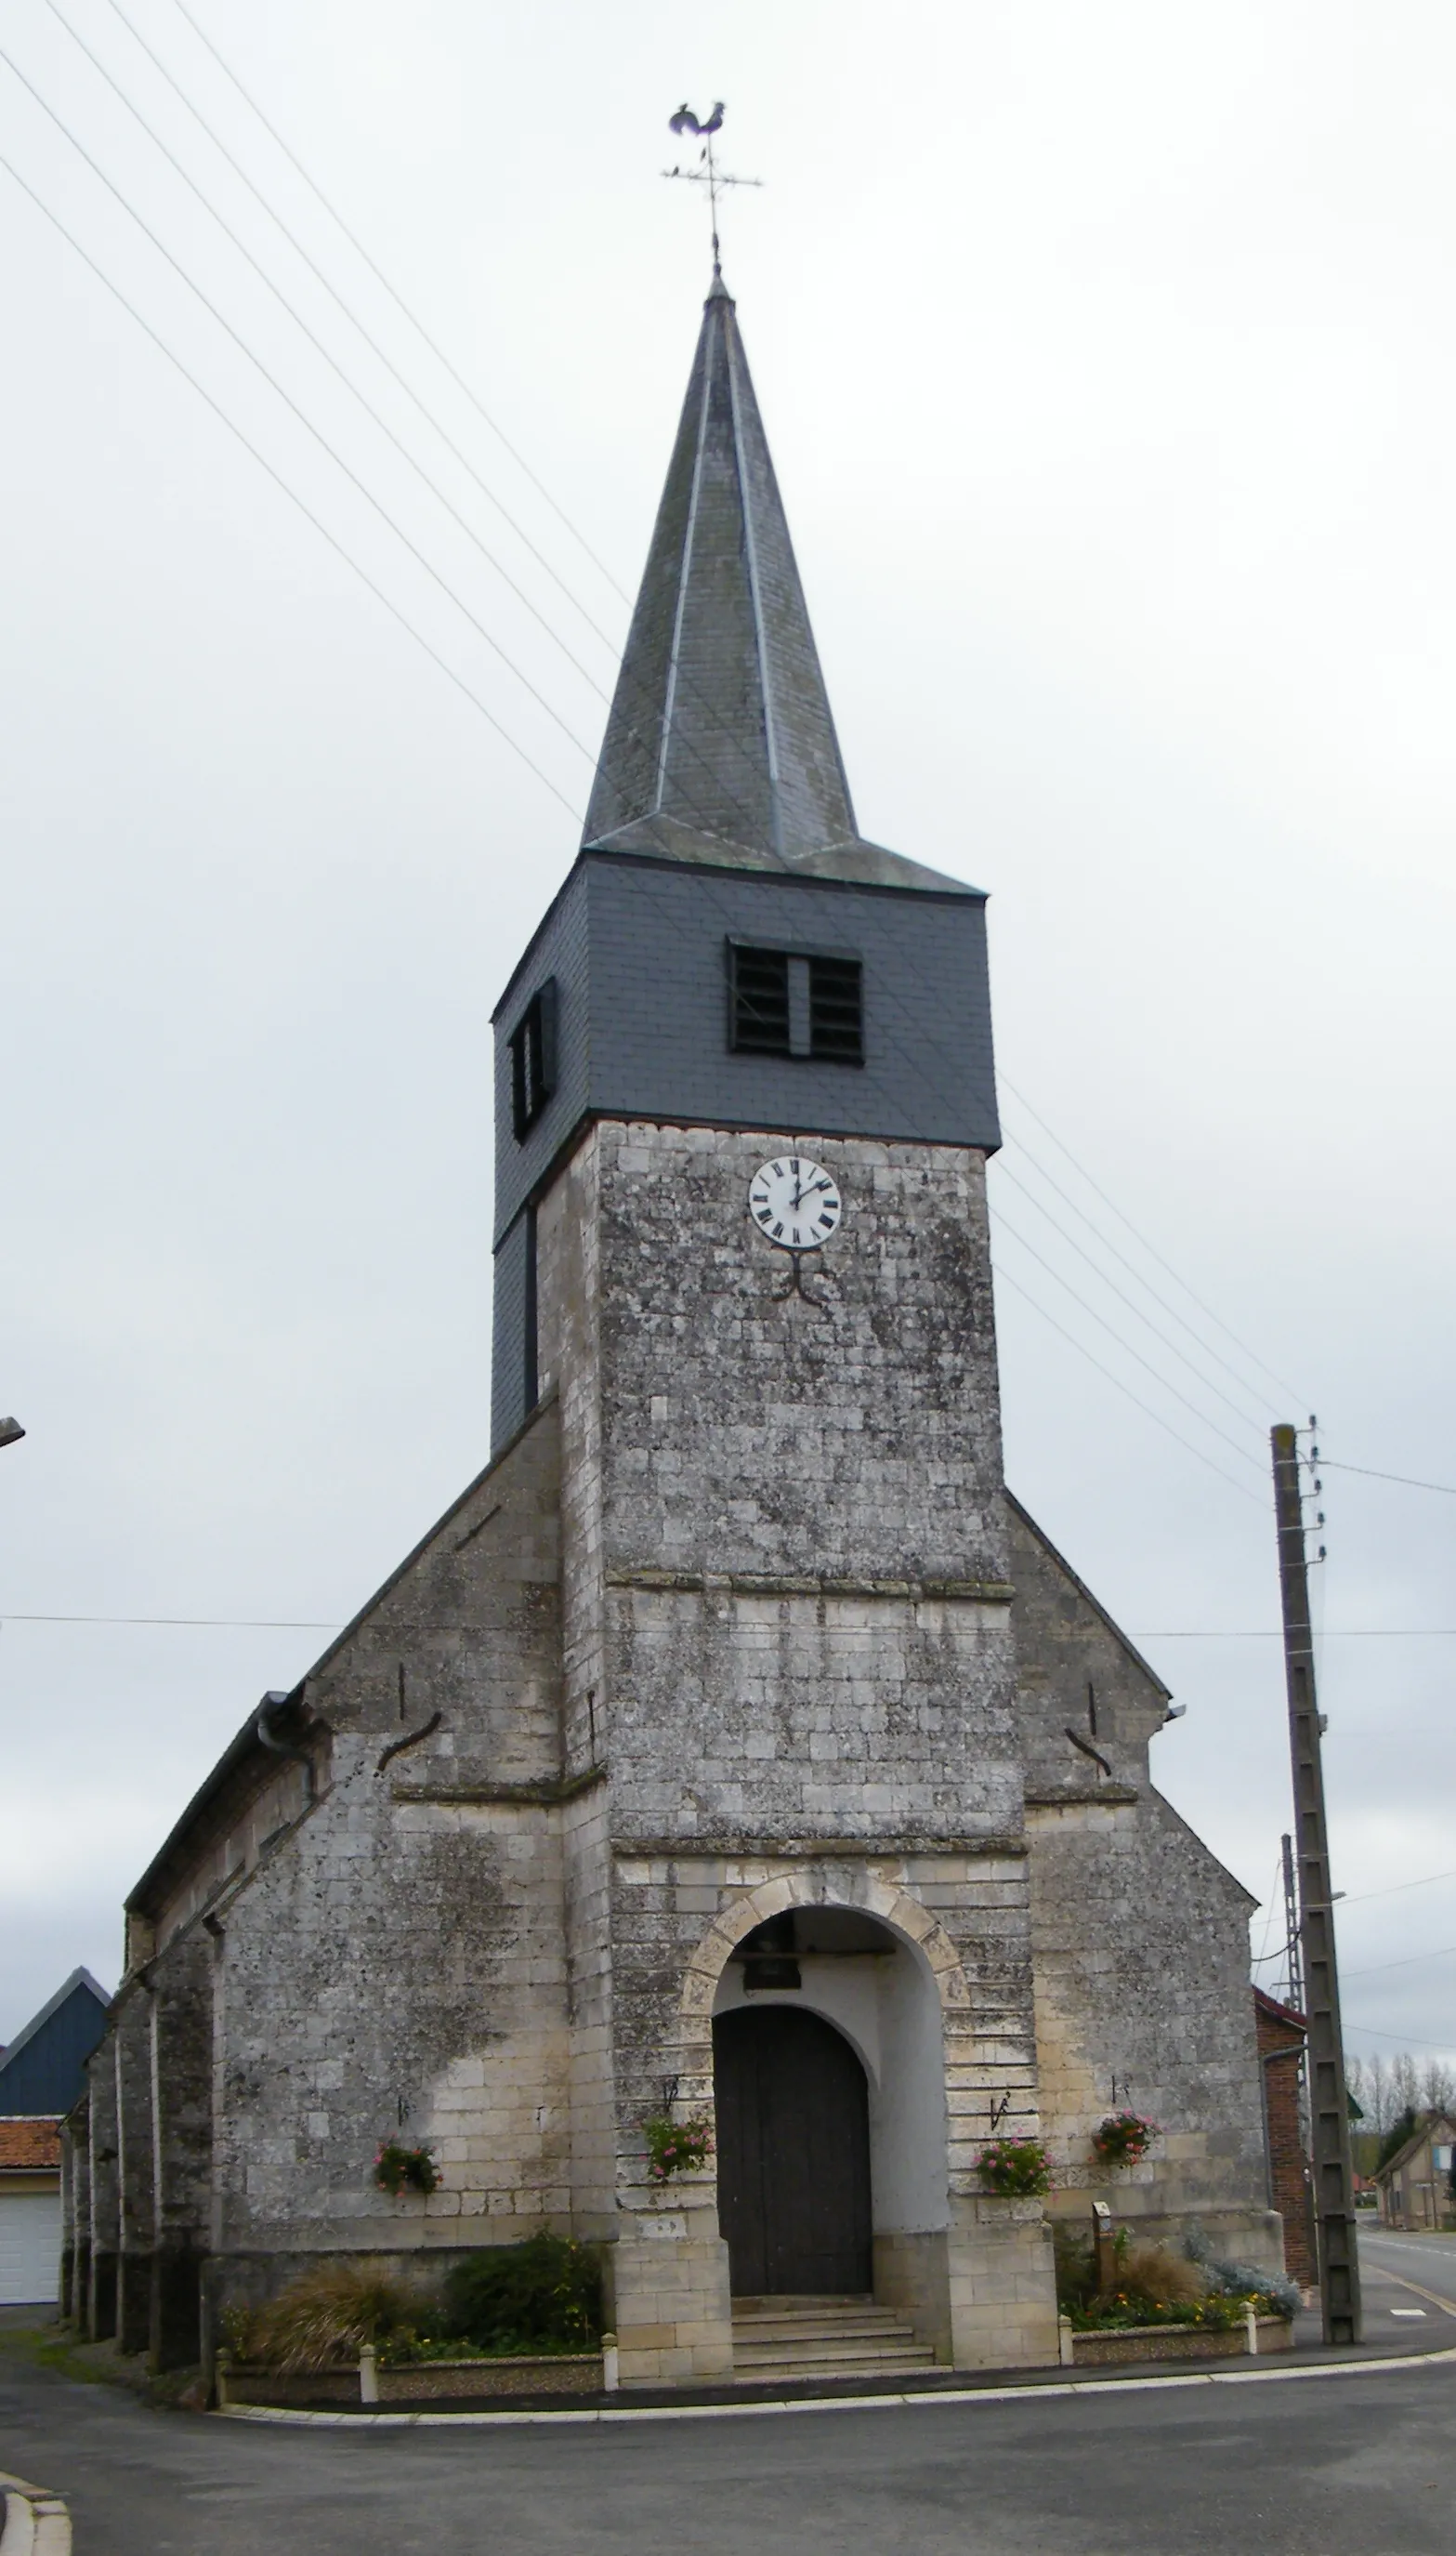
{"points": [[325, 2315]]}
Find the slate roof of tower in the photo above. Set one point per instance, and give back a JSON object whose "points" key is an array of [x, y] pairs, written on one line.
{"points": [[720, 745]]}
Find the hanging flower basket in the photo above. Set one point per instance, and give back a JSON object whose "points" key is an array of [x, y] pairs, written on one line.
{"points": [[1016, 2169], [1124, 2138], [675, 2148], [398, 2169]]}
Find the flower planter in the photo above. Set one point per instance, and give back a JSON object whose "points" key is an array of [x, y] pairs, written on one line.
{"points": [[1126, 2343], [412, 2382]]}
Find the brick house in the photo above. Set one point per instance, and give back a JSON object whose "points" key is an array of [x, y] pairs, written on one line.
{"points": [[1281, 2038]]}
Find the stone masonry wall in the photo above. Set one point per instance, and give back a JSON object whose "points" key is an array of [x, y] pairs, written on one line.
{"points": [[1140, 1934], [394, 1967], [1144, 2003]]}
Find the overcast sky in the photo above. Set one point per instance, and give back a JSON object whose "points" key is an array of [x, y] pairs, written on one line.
{"points": [[1106, 360]]}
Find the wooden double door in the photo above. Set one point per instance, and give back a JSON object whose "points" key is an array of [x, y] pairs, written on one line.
{"points": [[793, 2154]]}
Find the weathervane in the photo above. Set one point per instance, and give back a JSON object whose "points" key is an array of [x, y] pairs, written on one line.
{"points": [[708, 173]]}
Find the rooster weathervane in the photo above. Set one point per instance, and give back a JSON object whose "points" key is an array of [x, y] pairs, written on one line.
{"points": [[708, 173]]}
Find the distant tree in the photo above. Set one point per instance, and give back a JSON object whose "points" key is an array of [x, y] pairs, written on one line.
{"points": [[1369, 2081], [1438, 2086], [1398, 2135], [1405, 2082]]}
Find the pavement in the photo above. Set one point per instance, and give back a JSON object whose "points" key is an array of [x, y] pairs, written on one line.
{"points": [[1352, 2457]]}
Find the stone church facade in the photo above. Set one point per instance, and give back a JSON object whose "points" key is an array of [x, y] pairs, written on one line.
{"points": [[736, 1746]]}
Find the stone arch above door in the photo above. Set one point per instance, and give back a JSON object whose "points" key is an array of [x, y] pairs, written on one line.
{"points": [[974, 2075], [886, 1900]]}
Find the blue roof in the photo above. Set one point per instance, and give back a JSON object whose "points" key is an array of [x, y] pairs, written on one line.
{"points": [[44, 2071]]}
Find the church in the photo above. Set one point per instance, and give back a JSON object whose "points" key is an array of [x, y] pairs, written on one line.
{"points": [[736, 1752]]}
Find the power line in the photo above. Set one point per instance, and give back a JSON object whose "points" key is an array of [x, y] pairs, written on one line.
{"points": [[1300, 1399], [291, 404], [377, 273], [316, 1624], [317, 344], [346, 308], [1329, 1634], [1071, 1336], [624, 675], [1406, 1963], [1249, 1387], [277, 478], [210, 1624], [1004, 1172], [1371, 1476], [1391, 1888], [1126, 1345], [1410, 2038]]}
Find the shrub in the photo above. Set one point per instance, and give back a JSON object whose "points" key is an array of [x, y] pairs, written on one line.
{"points": [[545, 2295], [1229, 2279], [1015, 2168], [1242, 2281], [327, 2315]]}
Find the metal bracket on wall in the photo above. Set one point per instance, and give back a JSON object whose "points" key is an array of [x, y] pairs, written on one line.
{"points": [[1087, 1748], [411, 1740], [796, 1287]]}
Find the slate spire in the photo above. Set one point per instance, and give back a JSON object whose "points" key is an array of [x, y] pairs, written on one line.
{"points": [[720, 742]]}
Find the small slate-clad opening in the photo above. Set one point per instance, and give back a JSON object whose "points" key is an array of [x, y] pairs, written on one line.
{"points": [[534, 1058], [786, 1002]]}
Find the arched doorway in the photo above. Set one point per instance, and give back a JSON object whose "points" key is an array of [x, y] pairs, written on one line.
{"points": [[793, 2154]]}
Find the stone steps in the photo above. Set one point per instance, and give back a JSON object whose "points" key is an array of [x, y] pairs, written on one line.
{"points": [[816, 2338]]}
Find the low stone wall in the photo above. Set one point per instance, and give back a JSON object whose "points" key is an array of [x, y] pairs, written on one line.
{"points": [[241, 2384], [1179, 2343], [429, 2382], [417, 2383]]}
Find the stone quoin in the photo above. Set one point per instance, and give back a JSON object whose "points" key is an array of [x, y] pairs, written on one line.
{"points": [[737, 1745]]}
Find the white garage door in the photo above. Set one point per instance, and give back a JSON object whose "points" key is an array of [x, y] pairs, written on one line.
{"points": [[30, 2248]]}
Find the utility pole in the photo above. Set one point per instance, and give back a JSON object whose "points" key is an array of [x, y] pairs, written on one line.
{"points": [[1334, 2190]]}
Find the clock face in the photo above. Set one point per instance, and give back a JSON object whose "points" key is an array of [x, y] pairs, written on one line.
{"points": [[795, 1203]]}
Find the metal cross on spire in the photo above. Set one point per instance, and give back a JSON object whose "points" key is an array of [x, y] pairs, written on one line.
{"points": [[708, 173]]}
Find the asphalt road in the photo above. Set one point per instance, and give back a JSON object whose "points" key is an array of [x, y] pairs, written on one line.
{"points": [[1390, 2256], [1347, 2466]]}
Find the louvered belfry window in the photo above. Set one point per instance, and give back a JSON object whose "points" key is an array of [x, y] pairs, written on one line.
{"points": [[534, 1058], [784, 1003]]}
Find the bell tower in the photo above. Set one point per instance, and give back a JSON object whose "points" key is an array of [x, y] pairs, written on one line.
{"points": [[789, 1675], [728, 949]]}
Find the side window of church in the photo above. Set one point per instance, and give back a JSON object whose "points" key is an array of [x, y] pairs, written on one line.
{"points": [[781, 1003], [534, 1058]]}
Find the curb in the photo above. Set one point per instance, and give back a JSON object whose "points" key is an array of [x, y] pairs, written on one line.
{"points": [[33, 2521], [1023, 2394]]}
